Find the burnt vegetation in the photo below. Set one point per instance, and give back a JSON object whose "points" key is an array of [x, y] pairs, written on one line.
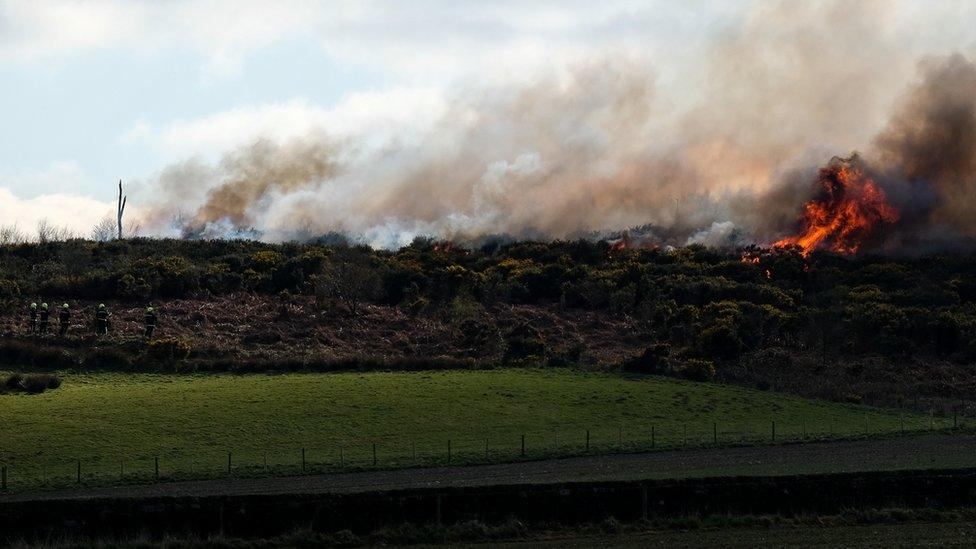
{"points": [[860, 329]]}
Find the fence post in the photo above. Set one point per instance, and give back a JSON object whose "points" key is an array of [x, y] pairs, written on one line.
{"points": [[157, 467], [3, 478], [228, 463], [342, 457], [715, 433], [448, 450], [121, 469], [486, 449], [653, 441], [644, 501], [303, 460], [587, 441], [79, 471], [523, 445], [773, 423], [413, 444], [374, 454]]}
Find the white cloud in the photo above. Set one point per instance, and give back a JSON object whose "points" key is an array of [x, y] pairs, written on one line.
{"points": [[139, 131], [433, 40], [222, 32], [428, 39], [373, 118], [76, 213], [26, 199], [64, 175]]}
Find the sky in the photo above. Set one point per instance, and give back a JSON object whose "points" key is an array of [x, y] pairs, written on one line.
{"points": [[97, 91]]}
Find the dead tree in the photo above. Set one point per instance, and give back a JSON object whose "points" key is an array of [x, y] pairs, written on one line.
{"points": [[121, 208]]}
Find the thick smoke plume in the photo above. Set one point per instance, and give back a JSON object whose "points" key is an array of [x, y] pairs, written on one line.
{"points": [[604, 146], [929, 149], [916, 188]]}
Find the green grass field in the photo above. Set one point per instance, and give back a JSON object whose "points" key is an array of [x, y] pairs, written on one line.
{"points": [[117, 424]]}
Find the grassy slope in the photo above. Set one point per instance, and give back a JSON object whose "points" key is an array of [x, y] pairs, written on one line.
{"points": [[190, 422]]}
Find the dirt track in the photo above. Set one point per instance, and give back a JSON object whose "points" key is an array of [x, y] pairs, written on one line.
{"points": [[920, 452]]}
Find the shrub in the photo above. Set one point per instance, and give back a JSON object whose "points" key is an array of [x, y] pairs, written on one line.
{"points": [[719, 341], [130, 287], [29, 383], [34, 354], [14, 382], [653, 360], [524, 342], [108, 358], [265, 260], [53, 382], [168, 349], [567, 356], [771, 359], [38, 383], [9, 289], [697, 370]]}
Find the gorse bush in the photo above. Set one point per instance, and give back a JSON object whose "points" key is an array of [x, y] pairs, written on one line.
{"points": [[696, 370], [704, 303], [168, 349]]}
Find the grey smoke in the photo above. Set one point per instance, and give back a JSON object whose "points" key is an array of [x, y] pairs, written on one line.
{"points": [[607, 147]]}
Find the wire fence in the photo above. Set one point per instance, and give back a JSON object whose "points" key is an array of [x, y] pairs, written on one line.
{"points": [[426, 450]]}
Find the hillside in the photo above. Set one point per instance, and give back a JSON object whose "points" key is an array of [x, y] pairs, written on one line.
{"points": [[877, 330], [112, 423]]}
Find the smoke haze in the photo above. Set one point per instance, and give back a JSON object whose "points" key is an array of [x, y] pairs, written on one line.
{"points": [[604, 144]]}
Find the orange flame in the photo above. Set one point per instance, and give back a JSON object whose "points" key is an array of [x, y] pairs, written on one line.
{"points": [[444, 246], [850, 211], [750, 257]]}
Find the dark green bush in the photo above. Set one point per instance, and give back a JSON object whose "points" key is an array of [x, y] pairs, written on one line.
{"points": [[697, 370], [29, 383], [653, 360], [19, 353], [524, 342]]}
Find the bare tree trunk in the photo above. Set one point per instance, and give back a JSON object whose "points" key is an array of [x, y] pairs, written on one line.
{"points": [[121, 208]]}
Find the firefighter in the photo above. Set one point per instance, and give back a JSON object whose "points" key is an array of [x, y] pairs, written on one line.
{"points": [[64, 315], [32, 315], [150, 319], [45, 318], [101, 320]]}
